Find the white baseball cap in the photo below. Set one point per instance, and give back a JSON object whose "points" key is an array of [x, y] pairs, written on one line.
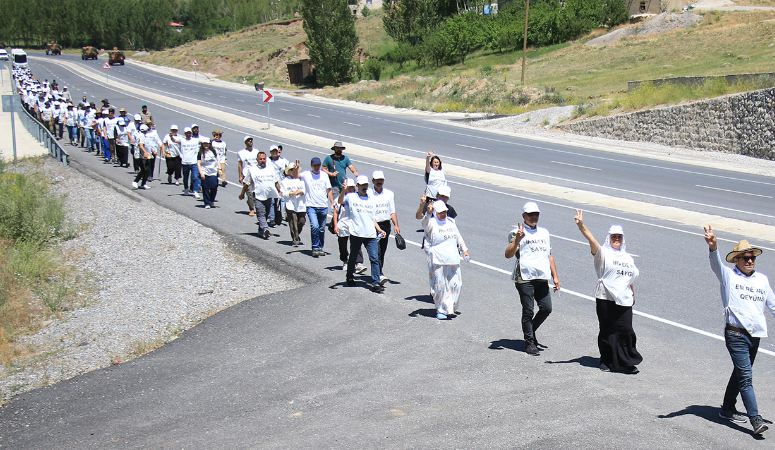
{"points": [[378, 175], [143, 127], [444, 190], [531, 207], [137, 117], [350, 182], [173, 127], [187, 130], [362, 179], [439, 206], [273, 148], [245, 139]]}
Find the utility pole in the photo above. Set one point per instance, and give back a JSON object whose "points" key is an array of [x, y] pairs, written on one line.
{"points": [[524, 44]]}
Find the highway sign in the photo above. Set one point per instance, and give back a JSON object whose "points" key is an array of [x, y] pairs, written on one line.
{"points": [[106, 65], [268, 96], [194, 63]]}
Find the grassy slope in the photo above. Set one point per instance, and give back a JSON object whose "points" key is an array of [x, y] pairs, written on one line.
{"points": [[725, 43]]}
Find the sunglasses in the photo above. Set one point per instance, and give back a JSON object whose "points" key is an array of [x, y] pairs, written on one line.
{"points": [[747, 258], [533, 214]]}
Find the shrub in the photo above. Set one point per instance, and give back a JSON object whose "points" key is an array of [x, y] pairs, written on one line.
{"points": [[373, 68]]}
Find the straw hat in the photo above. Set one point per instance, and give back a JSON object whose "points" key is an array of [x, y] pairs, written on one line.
{"points": [[742, 247]]}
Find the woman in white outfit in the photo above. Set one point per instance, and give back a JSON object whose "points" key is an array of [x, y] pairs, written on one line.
{"points": [[614, 293], [443, 246], [294, 193], [434, 174]]}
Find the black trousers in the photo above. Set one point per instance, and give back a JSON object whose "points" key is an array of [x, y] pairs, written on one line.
{"points": [[530, 293], [143, 174], [174, 167], [383, 243], [122, 153]]}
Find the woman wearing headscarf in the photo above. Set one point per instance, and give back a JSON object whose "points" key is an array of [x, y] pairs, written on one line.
{"points": [[443, 246], [293, 191], [209, 169], [614, 293], [434, 174]]}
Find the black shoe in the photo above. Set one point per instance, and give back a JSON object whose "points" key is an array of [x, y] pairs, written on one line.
{"points": [[223, 183], [169, 179], [267, 234], [758, 425], [733, 416], [604, 367], [629, 370], [350, 282], [531, 349], [377, 288]]}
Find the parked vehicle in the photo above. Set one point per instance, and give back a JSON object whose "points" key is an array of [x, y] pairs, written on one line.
{"points": [[89, 52], [19, 57], [3, 55], [52, 48], [116, 56]]}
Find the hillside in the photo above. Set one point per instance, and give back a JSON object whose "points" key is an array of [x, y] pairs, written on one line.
{"points": [[728, 42]]}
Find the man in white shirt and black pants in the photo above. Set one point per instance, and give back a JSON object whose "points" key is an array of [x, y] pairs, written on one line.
{"points": [[744, 294], [264, 184], [364, 230], [535, 266], [385, 213]]}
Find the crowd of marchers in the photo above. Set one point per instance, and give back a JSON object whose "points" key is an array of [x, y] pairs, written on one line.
{"points": [[363, 215]]}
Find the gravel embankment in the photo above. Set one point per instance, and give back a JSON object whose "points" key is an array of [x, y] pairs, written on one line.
{"points": [[150, 288]]}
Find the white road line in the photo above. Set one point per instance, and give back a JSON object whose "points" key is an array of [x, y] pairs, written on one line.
{"points": [[575, 165], [353, 124], [243, 101], [402, 134], [475, 148], [221, 96], [286, 110], [592, 299], [312, 115], [734, 192]]}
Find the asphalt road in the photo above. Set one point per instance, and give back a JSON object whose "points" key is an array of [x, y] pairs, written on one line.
{"points": [[328, 366]]}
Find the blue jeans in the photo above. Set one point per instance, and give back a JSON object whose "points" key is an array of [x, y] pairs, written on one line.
{"points": [[90, 141], [209, 189], [372, 248], [742, 348], [317, 226], [72, 132], [105, 148], [193, 170]]}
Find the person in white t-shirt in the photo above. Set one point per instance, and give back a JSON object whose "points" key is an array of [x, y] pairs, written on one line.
{"points": [[615, 295], [263, 183], [434, 174], [364, 230], [145, 154], [385, 212], [209, 169], [170, 148], [745, 294], [293, 192], [341, 224], [71, 122], [279, 163], [248, 157], [318, 195], [444, 244], [122, 143], [532, 272], [189, 149], [220, 148]]}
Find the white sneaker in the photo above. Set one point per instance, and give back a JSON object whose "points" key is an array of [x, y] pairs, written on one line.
{"points": [[134, 184], [177, 182], [197, 196], [344, 266], [185, 191], [207, 206], [360, 268], [382, 280], [145, 186]]}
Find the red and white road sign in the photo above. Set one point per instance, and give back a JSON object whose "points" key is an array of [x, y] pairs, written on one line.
{"points": [[106, 65], [268, 96], [194, 63]]}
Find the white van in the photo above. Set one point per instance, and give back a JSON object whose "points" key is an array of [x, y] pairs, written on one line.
{"points": [[19, 58], [3, 55]]}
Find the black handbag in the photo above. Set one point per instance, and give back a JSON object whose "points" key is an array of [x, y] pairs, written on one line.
{"points": [[400, 242]]}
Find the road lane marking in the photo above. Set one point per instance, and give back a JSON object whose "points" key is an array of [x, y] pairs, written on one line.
{"points": [[286, 110], [575, 165], [734, 192], [575, 197], [402, 134], [349, 123], [312, 115], [475, 148]]}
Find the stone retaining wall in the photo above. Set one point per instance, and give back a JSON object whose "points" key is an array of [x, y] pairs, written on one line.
{"points": [[763, 79], [738, 123]]}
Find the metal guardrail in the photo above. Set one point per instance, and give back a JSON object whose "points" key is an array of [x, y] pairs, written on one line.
{"points": [[44, 136]]}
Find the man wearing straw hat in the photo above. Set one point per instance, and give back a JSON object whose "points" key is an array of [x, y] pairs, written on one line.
{"points": [[744, 294]]}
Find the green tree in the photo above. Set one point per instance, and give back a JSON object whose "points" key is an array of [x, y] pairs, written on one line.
{"points": [[410, 20], [331, 38]]}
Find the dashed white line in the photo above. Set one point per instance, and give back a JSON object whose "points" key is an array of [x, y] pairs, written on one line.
{"points": [[734, 192], [353, 124], [286, 110], [475, 148], [312, 115], [575, 165], [402, 134]]}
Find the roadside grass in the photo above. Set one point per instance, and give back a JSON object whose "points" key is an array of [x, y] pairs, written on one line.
{"points": [[37, 277]]}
